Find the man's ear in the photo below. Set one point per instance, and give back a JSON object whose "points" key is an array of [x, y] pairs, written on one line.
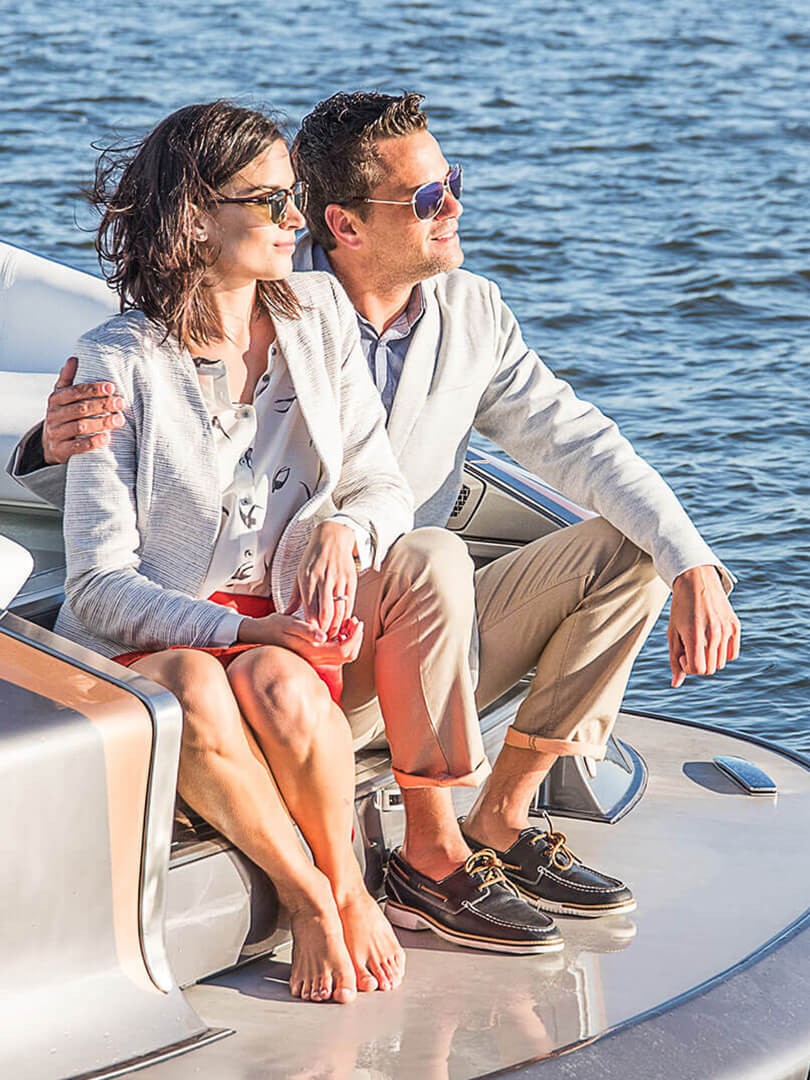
{"points": [[342, 224]]}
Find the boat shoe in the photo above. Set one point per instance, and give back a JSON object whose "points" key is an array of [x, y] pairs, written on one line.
{"points": [[474, 906], [547, 874]]}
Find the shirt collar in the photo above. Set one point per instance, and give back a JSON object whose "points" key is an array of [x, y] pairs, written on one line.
{"points": [[320, 260]]}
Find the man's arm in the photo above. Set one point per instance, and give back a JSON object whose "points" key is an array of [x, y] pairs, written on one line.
{"points": [[538, 419]]}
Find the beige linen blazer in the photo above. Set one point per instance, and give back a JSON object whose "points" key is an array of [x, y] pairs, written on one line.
{"points": [[142, 515], [468, 367]]}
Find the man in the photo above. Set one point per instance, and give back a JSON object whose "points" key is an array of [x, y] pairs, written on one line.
{"points": [[447, 356]]}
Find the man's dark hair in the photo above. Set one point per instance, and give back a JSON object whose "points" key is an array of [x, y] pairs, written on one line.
{"points": [[335, 151]]}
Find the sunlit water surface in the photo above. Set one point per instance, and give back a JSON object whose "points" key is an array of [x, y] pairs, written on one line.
{"points": [[637, 182]]}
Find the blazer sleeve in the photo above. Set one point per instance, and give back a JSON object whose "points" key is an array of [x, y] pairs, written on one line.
{"points": [[104, 585], [538, 419], [371, 489], [27, 466]]}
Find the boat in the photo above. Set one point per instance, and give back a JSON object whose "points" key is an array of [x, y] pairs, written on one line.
{"points": [[135, 939]]}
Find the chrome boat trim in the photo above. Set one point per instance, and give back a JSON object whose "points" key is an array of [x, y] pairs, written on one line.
{"points": [[166, 1053], [537, 495], [166, 719]]}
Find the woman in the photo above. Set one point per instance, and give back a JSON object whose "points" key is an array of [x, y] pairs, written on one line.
{"points": [[249, 419]]}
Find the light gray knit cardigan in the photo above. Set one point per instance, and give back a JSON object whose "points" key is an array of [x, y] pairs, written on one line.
{"points": [[142, 515]]}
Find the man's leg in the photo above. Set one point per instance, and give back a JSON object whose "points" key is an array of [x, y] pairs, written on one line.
{"points": [[414, 668], [579, 605], [418, 613]]}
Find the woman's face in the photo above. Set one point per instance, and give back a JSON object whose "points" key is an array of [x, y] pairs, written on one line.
{"points": [[251, 247]]}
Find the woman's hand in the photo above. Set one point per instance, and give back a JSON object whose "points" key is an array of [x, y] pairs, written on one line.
{"points": [[308, 641], [327, 578]]}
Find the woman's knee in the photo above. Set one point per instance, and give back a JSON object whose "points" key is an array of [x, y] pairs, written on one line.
{"points": [[191, 675], [199, 682], [280, 695]]}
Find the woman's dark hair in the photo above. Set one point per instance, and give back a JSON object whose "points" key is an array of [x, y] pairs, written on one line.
{"points": [[150, 197]]}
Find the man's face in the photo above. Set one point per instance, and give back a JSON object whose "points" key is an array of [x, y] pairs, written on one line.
{"points": [[403, 248]]}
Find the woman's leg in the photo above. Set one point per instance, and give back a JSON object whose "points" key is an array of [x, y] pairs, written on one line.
{"points": [[307, 743], [224, 777]]}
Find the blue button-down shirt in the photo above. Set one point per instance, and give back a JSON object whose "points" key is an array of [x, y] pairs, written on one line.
{"points": [[385, 353]]}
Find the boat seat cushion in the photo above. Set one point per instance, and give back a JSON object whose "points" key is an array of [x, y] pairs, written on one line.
{"points": [[44, 309]]}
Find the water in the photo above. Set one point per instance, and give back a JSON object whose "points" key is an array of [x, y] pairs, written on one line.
{"points": [[637, 182]]}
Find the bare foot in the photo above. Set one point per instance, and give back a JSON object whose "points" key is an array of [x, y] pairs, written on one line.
{"points": [[322, 968], [379, 961]]}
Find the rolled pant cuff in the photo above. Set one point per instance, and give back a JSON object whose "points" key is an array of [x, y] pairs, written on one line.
{"points": [[560, 747], [470, 779]]}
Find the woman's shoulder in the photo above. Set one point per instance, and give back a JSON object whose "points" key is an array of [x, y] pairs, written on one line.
{"points": [[323, 300], [315, 289], [130, 329], [120, 345]]}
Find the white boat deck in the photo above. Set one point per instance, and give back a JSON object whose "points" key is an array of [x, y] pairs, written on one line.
{"points": [[707, 863]]}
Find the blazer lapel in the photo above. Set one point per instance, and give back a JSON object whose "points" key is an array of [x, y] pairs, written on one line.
{"points": [[315, 394], [417, 373]]}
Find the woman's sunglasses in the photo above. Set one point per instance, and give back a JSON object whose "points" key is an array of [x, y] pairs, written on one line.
{"points": [[276, 202], [428, 199]]}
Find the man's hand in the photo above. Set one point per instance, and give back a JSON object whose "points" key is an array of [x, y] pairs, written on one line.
{"points": [[79, 418], [304, 639], [704, 632], [327, 578]]}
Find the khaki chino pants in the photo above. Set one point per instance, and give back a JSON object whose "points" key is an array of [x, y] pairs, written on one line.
{"points": [[577, 605]]}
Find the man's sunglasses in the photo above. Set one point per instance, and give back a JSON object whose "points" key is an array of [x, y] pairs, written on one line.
{"points": [[428, 199], [276, 202]]}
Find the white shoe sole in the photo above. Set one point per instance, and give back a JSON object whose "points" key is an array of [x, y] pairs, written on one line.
{"points": [[567, 909], [409, 919]]}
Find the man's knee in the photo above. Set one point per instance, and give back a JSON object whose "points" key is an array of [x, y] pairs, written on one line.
{"points": [[431, 554], [616, 557], [603, 541]]}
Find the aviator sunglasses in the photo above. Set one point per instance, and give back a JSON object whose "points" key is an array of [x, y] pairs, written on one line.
{"points": [[275, 201], [428, 199]]}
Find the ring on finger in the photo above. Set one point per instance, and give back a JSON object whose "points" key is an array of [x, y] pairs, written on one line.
{"points": [[341, 596]]}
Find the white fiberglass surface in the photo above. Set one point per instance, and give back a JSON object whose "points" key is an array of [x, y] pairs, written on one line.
{"points": [[40, 532], [717, 874], [16, 563]]}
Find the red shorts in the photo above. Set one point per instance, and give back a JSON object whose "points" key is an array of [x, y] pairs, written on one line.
{"points": [[255, 607]]}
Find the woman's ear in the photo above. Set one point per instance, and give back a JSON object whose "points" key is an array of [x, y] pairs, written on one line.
{"points": [[343, 225], [203, 226]]}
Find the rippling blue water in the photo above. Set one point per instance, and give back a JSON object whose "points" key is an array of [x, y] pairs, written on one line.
{"points": [[637, 180]]}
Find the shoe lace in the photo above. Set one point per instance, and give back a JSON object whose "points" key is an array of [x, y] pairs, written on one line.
{"points": [[556, 844], [486, 869]]}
